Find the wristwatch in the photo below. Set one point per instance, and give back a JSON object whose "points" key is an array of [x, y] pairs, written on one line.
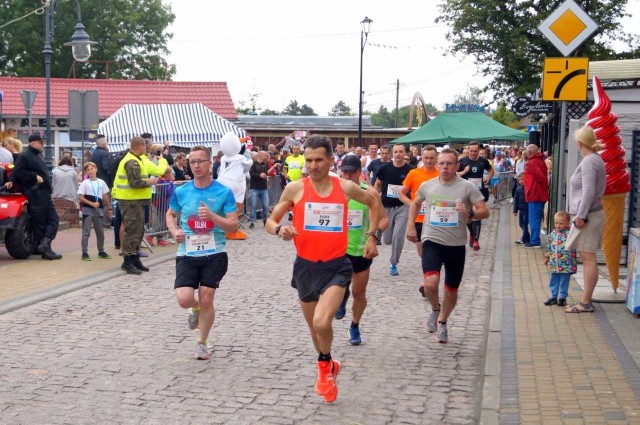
{"points": [[376, 234], [277, 229], [471, 213]]}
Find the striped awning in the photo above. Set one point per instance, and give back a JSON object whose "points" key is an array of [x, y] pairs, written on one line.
{"points": [[181, 124]]}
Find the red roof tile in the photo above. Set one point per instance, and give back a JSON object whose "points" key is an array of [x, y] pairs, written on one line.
{"points": [[115, 93]]}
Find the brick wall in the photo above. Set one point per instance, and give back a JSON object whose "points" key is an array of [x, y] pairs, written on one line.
{"points": [[67, 211]]}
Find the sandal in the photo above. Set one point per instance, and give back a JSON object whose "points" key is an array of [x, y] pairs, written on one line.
{"points": [[579, 308]]}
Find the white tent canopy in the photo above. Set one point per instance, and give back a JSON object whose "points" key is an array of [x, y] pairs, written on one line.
{"points": [[183, 125]]}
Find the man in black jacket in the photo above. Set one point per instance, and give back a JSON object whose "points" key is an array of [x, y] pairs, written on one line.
{"points": [[32, 174]]}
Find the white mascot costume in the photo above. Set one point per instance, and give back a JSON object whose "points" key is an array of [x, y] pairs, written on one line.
{"points": [[233, 166]]}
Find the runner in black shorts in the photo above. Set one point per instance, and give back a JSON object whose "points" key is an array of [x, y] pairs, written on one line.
{"points": [[319, 232], [201, 260], [472, 168], [450, 202], [360, 249]]}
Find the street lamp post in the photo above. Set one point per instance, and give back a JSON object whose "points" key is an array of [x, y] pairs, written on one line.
{"points": [[364, 32], [80, 48]]}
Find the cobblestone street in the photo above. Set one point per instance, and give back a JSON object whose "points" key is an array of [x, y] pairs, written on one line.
{"points": [[120, 351]]}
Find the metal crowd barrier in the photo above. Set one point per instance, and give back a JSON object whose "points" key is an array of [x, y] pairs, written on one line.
{"points": [[156, 224], [504, 186]]}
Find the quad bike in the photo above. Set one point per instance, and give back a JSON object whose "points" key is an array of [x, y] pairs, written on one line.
{"points": [[15, 222]]}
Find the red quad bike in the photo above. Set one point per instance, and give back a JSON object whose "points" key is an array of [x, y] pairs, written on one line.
{"points": [[15, 223]]}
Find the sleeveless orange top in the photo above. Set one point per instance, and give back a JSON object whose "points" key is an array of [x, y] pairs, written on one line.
{"points": [[321, 223]]}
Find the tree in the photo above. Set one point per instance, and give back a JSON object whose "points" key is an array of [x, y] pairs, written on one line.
{"points": [[505, 116], [131, 36], [307, 110], [473, 96], [269, 112], [503, 38], [294, 109], [386, 119], [340, 110]]}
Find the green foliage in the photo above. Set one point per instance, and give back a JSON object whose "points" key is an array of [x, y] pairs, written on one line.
{"points": [[340, 109], [503, 38], [473, 96], [387, 119], [294, 109], [269, 112], [131, 36], [505, 116]]}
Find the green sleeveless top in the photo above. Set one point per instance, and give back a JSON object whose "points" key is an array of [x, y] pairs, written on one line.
{"points": [[358, 223]]}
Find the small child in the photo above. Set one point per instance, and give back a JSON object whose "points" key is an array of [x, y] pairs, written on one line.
{"points": [[561, 261], [520, 206], [93, 193]]}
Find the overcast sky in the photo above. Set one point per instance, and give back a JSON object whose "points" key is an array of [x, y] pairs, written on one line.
{"points": [[310, 51]]}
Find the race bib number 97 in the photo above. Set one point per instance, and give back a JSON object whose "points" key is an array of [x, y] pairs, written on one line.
{"points": [[323, 217]]}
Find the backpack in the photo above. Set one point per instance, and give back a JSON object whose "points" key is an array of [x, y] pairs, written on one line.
{"points": [[113, 164]]}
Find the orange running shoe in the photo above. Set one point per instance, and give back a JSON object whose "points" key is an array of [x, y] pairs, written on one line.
{"points": [[325, 383], [331, 396]]}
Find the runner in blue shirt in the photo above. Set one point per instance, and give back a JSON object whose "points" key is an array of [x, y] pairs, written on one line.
{"points": [[207, 212]]}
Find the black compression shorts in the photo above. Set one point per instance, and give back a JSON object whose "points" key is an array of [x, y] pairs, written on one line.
{"points": [[434, 255]]}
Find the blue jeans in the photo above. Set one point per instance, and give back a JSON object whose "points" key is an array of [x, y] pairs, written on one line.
{"points": [[559, 283], [535, 218], [523, 220], [259, 195]]}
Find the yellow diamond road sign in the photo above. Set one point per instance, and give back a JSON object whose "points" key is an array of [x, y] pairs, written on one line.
{"points": [[568, 27], [565, 79]]}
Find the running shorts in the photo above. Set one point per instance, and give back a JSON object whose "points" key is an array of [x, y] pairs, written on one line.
{"points": [[206, 270], [359, 263], [419, 230], [312, 278], [434, 255]]}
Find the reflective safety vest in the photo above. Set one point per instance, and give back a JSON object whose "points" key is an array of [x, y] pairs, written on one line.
{"points": [[121, 184]]}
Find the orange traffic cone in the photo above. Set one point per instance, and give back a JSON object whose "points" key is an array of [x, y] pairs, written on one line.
{"points": [[239, 235]]}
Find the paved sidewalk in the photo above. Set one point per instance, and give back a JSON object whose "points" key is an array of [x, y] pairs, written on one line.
{"points": [[555, 368], [120, 352], [22, 280]]}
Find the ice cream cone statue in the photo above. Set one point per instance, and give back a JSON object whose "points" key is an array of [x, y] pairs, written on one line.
{"points": [[618, 184], [233, 166]]}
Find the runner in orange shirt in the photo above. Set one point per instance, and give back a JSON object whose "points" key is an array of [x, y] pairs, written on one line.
{"points": [[412, 183], [321, 271]]}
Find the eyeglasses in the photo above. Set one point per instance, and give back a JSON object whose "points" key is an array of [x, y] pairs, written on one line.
{"points": [[198, 161]]}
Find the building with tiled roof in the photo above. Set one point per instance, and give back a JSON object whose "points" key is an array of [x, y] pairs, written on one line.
{"points": [[113, 94]]}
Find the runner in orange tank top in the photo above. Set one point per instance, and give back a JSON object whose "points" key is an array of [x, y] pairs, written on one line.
{"points": [[321, 222], [321, 271]]}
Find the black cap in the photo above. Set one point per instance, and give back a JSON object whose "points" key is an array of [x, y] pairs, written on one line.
{"points": [[350, 163], [35, 138]]}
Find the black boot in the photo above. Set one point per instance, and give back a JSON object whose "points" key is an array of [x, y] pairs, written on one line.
{"points": [[128, 265], [46, 252], [138, 264]]}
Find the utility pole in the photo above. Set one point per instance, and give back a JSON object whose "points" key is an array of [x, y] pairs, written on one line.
{"points": [[397, 100]]}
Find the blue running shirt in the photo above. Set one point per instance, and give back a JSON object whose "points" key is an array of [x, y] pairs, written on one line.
{"points": [[186, 201]]}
